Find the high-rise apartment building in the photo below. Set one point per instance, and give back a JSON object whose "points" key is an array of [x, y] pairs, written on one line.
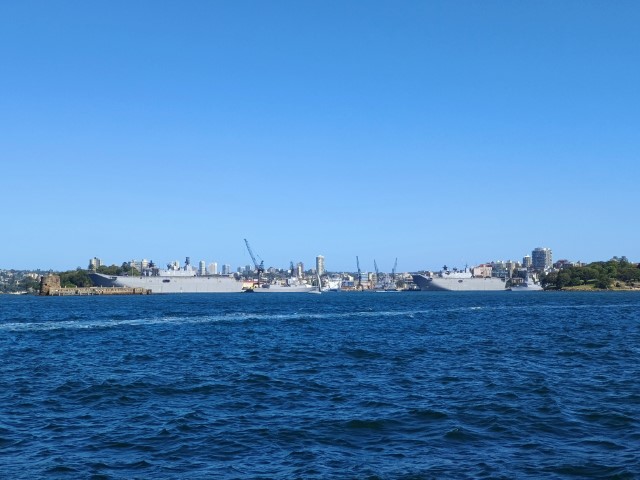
{"points": [[541, 259], [94, 263], [213, 268], [226, 269], [300, 270], [202, 267], [139, 265], [526, 261], [320, 265]]}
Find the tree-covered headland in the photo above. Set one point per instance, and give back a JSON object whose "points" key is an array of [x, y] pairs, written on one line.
{"points": [[26, 281], [617, 274], [80, 278]]}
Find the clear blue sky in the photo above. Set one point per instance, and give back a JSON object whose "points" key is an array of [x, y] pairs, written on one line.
{"points": [[432, 131]]}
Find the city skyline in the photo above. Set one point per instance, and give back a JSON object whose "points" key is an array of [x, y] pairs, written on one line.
{"points": [[434, 132], [541, 259]]}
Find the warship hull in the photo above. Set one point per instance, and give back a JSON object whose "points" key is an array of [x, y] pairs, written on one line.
{"points": [[471, 284], [171, 284], [284, 289]]}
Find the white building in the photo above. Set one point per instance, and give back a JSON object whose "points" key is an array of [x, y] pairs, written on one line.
{"points": [[320, 265], [94, 263]]}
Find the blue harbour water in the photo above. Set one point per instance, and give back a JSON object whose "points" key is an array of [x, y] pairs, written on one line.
{"points": [[344, 385]]}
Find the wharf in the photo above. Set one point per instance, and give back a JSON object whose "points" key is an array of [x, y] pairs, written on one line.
{"points": [[50, 286]]}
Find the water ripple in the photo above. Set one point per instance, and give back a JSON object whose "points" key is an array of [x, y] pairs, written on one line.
{"points": [[332, 386]]}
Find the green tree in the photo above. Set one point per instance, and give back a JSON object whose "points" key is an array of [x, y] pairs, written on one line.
{"points": [[75, 278], [563, 279], [548, 280], [603, 282], [129, 270], [587, 273], [29, 284], [110, 270], [628, 273]]}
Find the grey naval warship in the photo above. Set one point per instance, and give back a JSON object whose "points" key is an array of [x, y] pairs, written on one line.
{"points": [[291, 285], [446, 280], [171, 280]]}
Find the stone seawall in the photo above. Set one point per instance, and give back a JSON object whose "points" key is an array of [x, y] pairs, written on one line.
{"points": [[57, 292]]}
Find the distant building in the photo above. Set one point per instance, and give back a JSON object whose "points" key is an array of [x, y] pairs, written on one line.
{"points": [[139, 265], [202, 268], [320, 265], [511, 266], [300, 270], [226, 269], [527, 262], [541, 259], [94, 263], [623, 259], [482, 271], [213, 268], [365, 278], [561, 264], [501, 269]]}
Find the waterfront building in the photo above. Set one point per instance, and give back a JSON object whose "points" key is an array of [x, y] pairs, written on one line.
{"points": [[541, 259], [300, 270], [202, 268], [213, 268], [320, 265], [527, 262], [226, 269]]}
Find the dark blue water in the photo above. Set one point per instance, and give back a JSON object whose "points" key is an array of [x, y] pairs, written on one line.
{"points": [[398, 385]]}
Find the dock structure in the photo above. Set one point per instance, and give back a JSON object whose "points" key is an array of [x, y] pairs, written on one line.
{"points": [[50, 286]]}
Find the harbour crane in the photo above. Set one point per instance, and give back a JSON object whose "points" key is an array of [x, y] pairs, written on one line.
{"points": [[259, 266], [393, 274], [375, 266]]}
